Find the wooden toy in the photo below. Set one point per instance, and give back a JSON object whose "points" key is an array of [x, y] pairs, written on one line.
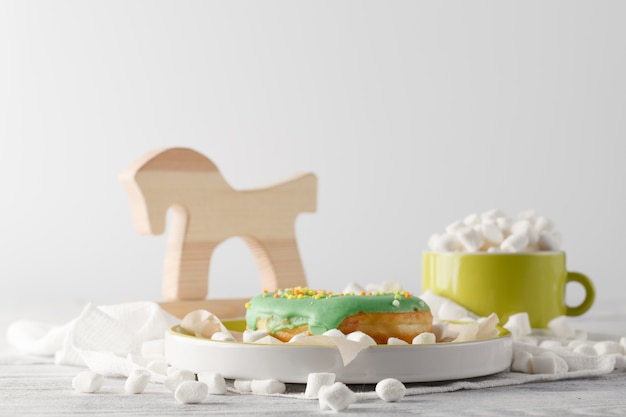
{"points": [[206, 210]]}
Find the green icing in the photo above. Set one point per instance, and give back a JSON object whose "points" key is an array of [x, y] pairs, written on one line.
{"points": [[326, 312]]}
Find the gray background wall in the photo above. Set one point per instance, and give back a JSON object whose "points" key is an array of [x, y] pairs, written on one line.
{"points": [[412, 115]]}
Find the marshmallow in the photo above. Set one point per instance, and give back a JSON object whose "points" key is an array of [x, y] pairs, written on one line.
{"points": [[488, 327], [390, 390], [561, 328], [202, 323], [492, 233], [504, 224], [243, 385], [622, 344], [551, 344], [315, 381], [549, 363], [298, 336], [542, 224], [522, 362], [137, 381], [191, 392], [586, 349], [491, 215], [470, 239], [607, 347], [334, 333], [223, 337], [158, 366], [425, 338], [527, 214], [518, 324], [471, 220], [449, 310], [336, 397], [215, 382], [454, 227], [354, 288], [251, 336], [445, 243], [267, 386], [514, 243], [177, 377], [575, 343], [360, 337], [87, 382], [548, 241], [396, 341]]}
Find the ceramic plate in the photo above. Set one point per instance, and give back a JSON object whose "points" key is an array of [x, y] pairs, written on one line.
{"points": [[293, 363]]}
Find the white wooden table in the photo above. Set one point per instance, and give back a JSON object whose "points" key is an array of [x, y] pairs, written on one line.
{"points": [[45, 389]]}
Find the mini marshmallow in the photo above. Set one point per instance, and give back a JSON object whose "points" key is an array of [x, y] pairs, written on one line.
{"points": [[334, 333], [575, 343], [522, 362], [353, 287], [454, 227], [443, 332], [223, 337], [177, 377], [543, 224], [360, 337], [267, 386], [519, 325], [504, 224], [315, 381], [87, 382], [488, 327], [297, 337], [170, 370], [492, 233], [561, 328], [191, 392], [336, 397], [524, 227], [492, 214], [548, 241], [471, 220], [137, 381], [396, 341], [549, 363], [449, 310], [243, 385], [251, 336], [158, 367], [216, 384], [446, 243], [551, 344], [622, 344], [514, 243], [585, 349], [607, 347], [202, 323], [470, 239], [425, 338], [390, 390]]}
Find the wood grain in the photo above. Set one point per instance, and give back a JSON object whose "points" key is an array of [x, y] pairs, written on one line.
{"points": [[205, 210]]}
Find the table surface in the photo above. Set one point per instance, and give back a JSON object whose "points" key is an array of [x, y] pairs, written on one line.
{"points": [[28, 388]]}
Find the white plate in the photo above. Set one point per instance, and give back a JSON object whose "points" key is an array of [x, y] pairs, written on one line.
{"points": [[292, 363]]}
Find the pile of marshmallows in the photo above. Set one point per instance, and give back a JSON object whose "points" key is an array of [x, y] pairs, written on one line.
{"points": [[555, 344], [190, 388], [492, 231]]}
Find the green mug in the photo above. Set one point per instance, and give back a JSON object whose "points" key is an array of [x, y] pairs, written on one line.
{"points": [[506, 283]]}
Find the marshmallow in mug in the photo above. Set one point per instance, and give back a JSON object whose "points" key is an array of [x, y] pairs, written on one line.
{"points": [[493, 231]]}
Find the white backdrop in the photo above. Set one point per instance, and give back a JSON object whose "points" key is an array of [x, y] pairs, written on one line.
{"points": [[411, 114]]}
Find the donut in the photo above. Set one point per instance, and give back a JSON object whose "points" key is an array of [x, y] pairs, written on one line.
{"points": [[287, 312]]}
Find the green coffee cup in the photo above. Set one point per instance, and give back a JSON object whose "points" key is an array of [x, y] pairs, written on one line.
{"points": [[506, 283]]}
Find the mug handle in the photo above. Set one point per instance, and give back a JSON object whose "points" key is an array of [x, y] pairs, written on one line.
{"points": [[590, 294]]}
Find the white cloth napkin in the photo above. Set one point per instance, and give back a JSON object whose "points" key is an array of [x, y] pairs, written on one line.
{"points": [[102, 338], [108, 340]]}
